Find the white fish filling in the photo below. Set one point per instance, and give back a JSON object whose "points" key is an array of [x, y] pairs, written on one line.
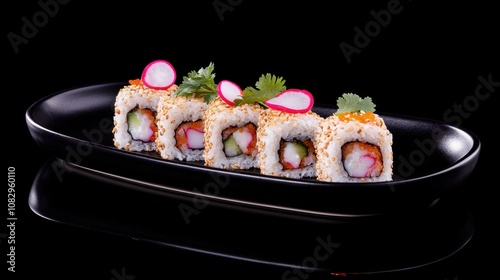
{"points": [[139, 126], [291, 155], [243, 137], [194, 138], [360, 163]]}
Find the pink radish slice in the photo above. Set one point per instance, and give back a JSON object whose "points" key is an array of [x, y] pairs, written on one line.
{"points": [[228, 91], [194, 138], [292, 101], [159, 74]]}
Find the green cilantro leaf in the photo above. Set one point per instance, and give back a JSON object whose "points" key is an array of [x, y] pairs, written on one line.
{"points": [[267, 87], [200, 83], [350, 102]]}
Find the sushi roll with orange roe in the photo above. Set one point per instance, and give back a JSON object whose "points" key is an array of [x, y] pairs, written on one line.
{"points": [[354, 144]]}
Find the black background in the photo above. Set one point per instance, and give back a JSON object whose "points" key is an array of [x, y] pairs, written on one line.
{"points": [[426, 61]]}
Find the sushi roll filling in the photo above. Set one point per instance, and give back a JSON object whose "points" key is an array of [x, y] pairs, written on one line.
{"points": [[141, 124], [296, 154], [189, 135], [362, 160], [240, 140]]}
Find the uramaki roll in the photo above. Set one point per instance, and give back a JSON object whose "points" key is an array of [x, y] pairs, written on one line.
{"points": [[135, 116], [180, 127], [231, 135], [354, 147], [287, 144]]}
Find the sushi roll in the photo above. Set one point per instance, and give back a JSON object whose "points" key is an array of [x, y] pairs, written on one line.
{"points": [[136, 106], [135, 116], [354, 144], [231, 135], [231, 122], [180, 128], [287, 143], [286, 135], [180, 117]]}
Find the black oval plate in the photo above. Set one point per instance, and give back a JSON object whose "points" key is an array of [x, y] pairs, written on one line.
{"points": [[430, 159]]}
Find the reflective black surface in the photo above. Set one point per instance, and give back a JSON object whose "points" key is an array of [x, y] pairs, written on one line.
{"points": [[295, 244]]}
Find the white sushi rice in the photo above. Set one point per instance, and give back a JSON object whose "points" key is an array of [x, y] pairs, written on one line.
{"points": [[274, 126], [332, 134], [172, 112], [129, 97], [217, 118]]}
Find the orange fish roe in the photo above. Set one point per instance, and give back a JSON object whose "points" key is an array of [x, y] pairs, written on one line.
{"points": [[362, 117], [135, 82]]}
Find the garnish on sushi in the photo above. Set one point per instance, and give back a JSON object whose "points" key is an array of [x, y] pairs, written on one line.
{"points": [[268, 86], [269, 92], [351, 106], [159, 74], [228, 91], [199, 83], [292, 101], [353, 103]]}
